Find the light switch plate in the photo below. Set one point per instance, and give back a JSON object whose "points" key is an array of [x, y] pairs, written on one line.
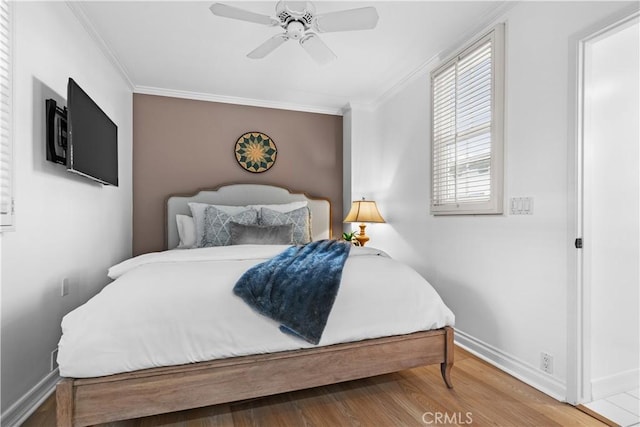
{"points": [[521, 205]]}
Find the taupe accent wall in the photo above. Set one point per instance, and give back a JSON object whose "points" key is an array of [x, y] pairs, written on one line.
{"points": [[181, 146]]}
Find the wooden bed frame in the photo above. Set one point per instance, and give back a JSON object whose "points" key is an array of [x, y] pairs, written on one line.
{"points": [[89, 401]]}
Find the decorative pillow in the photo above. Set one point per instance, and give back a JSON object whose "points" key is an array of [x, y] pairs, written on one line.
{"points": [[283, 207], [197, 212], [261, 234], [216, 226], [186, 231], [300, 218]]}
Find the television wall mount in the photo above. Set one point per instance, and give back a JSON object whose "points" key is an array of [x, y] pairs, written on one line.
{"points": [[56, 124]]}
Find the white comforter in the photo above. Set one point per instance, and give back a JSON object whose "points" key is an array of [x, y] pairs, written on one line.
{"points": [[177, 307]]}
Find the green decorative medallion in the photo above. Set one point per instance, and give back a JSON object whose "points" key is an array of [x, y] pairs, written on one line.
{"points": [[256, 152]]}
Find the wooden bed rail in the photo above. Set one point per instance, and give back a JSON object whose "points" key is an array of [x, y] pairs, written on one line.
{"points": [[89, 401]]}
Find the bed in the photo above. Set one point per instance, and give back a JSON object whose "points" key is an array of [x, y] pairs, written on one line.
{"points": [[184, 375]]}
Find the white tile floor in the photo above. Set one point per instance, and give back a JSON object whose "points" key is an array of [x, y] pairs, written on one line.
{"points": [[623, 408]]}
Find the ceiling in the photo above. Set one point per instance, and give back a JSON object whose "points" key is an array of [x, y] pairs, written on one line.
{"points": [[181, 48]]}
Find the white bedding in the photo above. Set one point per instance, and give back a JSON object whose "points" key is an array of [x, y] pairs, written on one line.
{"points": [[177, 307]]}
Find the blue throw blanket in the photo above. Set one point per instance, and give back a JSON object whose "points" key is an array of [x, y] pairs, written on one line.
{"points": [[297, 287]]}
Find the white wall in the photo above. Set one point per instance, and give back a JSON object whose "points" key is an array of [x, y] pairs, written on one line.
{"points": [[347, 132], [505, 277], [359, 166], [66, 226], [611, 204]]}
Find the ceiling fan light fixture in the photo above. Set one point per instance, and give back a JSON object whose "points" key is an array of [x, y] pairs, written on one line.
{"points": [[299, 19], [295, 30]]}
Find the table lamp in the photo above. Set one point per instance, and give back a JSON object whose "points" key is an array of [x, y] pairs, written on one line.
{"points": [[363, 211]]}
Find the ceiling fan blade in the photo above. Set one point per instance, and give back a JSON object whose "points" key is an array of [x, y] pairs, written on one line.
{"points": [[267, 47], [316, 48], [232, 12], [364, 18]]}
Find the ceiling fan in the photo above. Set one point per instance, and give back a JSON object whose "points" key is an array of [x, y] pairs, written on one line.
{"points": [[300, 22]]}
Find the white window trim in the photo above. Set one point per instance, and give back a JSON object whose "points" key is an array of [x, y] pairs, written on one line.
{"points": [[496, 203], [7, 219]]}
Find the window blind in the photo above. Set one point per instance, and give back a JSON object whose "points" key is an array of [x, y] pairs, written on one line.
{"points": [[466, 137], [6, 139]]}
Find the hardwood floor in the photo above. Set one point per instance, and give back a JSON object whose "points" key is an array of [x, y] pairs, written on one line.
{"points": [[483, 395]]}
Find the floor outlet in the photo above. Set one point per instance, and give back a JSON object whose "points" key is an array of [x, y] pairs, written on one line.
{"points": [[546, 362]]}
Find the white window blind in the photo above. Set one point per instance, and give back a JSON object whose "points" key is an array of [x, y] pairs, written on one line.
{"points": [[6, 120], [467, 121]]}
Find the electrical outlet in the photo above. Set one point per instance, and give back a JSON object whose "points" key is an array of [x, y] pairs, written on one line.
{"points": [[546, 362], [64, 288], [54, 359]]}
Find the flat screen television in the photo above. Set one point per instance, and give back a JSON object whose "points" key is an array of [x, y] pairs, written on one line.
{"points": [[92, 138]]}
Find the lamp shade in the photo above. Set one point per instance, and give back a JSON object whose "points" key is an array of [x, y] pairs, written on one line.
{"points": [[364, 211]]}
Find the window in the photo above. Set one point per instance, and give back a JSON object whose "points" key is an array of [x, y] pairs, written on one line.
{"points": [[6, 121], [467, 129]]}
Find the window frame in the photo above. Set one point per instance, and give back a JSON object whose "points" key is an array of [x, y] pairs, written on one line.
{"points": [[495, 204], [7, 38]]}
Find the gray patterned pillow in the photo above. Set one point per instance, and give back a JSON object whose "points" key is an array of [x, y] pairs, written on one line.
{"points": [[300, 218], [261, 234], [217, 223], [197, 212]]}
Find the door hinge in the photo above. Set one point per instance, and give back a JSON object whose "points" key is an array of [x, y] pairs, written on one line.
{"points": [[578, 243]]}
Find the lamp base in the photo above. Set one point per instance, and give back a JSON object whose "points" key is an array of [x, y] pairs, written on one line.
{"points": [[362, 238]]}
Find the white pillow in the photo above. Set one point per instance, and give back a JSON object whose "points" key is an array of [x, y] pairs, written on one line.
{"points": [[283, 207], [186, 231]]}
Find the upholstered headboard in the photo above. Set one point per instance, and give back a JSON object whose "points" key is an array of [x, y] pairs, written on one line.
{"points": [[248, 194]]}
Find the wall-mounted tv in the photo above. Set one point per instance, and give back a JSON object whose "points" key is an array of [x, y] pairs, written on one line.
{"points": [[92, 138], [83, 137]]}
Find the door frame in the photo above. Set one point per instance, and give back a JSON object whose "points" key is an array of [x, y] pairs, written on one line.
{"points": [[578, 383]]}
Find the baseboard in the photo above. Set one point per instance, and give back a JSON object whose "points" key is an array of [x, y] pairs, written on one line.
{"points": [[17, 413], [615, 384], [512, 365]]}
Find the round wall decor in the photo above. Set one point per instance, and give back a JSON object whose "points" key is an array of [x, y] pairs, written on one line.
{"points": [[256, 152]]}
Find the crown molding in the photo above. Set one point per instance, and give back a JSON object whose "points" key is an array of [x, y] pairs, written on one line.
{"points": [[383, 96], [202, 96], [486, 23], [403, 82], [78, 11], [488, 20], [358, 106]]}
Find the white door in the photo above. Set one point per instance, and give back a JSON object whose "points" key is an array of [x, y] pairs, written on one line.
{"points": [[611, 214]]}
